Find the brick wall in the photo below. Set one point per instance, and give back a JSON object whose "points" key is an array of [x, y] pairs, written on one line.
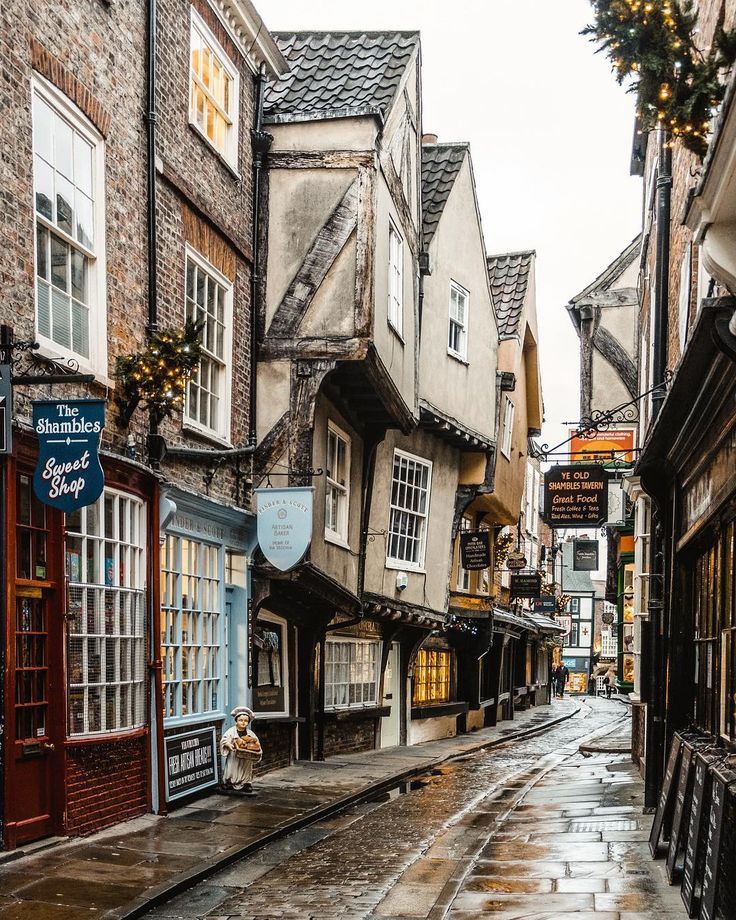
{"points": [[348, 737], [276, 741], [105, 783]]}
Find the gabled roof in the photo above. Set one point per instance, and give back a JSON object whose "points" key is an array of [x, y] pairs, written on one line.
{"points": [[509, 276], [440, 167], [605, 280], [334, 74]]}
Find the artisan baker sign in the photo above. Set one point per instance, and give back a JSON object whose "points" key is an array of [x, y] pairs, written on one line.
{"points": [[284, 525], [475, 551], [575, 496], [68, 473]]}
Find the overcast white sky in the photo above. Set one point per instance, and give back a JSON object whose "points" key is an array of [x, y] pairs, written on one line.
{"points": [[550, 134]]}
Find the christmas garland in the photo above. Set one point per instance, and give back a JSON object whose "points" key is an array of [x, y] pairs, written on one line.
{"points": [[678, 86], [158, 375], [502, 547]]}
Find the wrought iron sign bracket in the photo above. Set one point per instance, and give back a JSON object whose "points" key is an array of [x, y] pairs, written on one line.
{"points": [[28, 368]]}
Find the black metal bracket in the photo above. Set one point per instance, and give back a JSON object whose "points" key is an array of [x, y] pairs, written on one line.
{"points": [[28, 368]]}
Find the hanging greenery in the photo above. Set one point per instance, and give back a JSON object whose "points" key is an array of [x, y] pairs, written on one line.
{"points": [[677, 84], [158, 374]]}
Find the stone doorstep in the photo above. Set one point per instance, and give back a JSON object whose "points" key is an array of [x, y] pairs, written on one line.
{"points": [[138, 905]]}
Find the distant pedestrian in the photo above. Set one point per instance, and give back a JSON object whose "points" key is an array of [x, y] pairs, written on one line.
{"points": [[563, 675], [553, 681]]}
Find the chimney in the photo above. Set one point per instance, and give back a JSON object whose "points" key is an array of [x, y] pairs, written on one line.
{"points": [[428, 140]]}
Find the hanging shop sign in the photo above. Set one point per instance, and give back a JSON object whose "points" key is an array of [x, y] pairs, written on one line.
{"points": [[616, 502], [546, 604], [516, 561], [68, 474], [575, 496], [565, 621], [284, 524], [608, 617], [585, 555], [475, 551], [191, 762], [526, 584], [6, 410], [614, 445]]}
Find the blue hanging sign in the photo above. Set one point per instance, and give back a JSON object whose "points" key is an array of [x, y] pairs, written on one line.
{"points": [[284, 523], [68, 473]]}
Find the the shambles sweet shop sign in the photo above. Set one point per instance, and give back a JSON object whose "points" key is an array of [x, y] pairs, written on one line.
{"points": [[68, 473]]}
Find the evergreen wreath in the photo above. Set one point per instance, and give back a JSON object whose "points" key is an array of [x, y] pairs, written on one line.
{"points": [[678, 86], [158, 374]]}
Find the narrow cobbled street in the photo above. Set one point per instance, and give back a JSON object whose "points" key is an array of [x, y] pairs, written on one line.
{"points": [[530, 829]]}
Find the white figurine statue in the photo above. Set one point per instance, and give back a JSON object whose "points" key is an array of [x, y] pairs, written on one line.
{"points": [[241, 749]]}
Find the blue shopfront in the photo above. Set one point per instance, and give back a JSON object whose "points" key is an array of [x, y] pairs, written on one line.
{"points": [[205, 583]]}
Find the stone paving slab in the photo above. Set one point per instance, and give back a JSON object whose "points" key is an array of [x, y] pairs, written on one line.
{"points": [[121, 872]]}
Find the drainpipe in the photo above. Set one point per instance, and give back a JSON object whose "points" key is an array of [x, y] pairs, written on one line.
{"points": [[150, 119], [260, 144], [655, 740]]}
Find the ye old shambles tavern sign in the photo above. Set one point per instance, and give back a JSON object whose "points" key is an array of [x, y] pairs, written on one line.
{"points": [[575, 496], [68, 473]]}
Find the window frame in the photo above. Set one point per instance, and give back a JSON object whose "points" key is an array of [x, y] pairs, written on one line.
{"points": [[268, 617], [507, 432], [461, 355], [230, 154], [354, 641], [391, 561], [128, 557], [221, 436], [395, 304], [96, 361], [451, 677], [218, 636], [339, 537]]}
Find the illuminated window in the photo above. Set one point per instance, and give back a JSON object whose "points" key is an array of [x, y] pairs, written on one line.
{"points": [[432, 677], [213, 99]]}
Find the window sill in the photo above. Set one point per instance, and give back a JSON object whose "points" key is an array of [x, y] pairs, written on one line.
{"points": [[356, 714], [396, 332], [398, 566], [106, 737], [211, 147], [198, 719], [336, 540], [435, 710], [457, 357], [207, 434], [51, 352]]}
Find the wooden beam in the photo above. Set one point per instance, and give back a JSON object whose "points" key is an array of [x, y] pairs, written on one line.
{"points": [[350, 349], [321, 159], [327, 246]]}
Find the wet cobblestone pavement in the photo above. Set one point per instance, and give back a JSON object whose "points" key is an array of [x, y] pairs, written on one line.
{"points": [[530, 830]]}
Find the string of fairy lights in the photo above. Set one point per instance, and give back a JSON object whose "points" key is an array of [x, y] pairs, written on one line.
{"points": [[678, 84], [158, 374]]}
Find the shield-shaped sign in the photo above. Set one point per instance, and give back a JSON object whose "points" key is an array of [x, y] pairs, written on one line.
{"points": [[284, 524], [68, 473]]}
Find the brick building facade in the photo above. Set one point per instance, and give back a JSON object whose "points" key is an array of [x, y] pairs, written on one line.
{"points": [[96, 126]]}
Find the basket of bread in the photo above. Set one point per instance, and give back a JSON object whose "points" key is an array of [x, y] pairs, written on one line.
{"points": [[247, 747]]}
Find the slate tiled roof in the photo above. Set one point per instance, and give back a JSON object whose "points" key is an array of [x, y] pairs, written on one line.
{"points": [[338, 73], [440, 165], [509, 276], [572, 580]]}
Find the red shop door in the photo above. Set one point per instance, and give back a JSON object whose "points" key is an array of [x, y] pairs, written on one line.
{"points": [[36, 634]]}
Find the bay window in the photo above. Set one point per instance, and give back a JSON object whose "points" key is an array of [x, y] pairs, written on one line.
{"points": [[106, 648]]}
